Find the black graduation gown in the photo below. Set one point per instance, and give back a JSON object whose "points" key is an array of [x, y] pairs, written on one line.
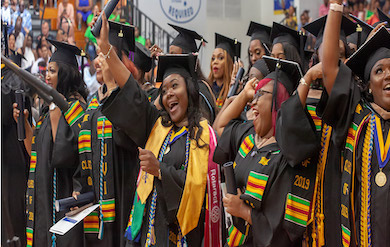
{"points": [[120, 173], [14, 173], [299, 139], [338, 110], [63, 156], [130, 111], [270, 226]]}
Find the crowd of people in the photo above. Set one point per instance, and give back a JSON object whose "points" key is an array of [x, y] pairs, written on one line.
{"points": [[291, 152]]}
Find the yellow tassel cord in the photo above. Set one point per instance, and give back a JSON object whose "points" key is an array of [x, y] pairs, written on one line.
{"points": [[317, 211], [365, 188]]}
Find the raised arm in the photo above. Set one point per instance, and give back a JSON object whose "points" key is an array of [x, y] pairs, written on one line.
{"points": [[330, 58], [118, 69], [236, 107]]}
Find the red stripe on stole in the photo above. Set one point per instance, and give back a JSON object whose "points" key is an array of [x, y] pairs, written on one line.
{"points": [[247, 143], [235, 236], [108, 210], [345, 240], [297, 210], [256, 185], [90, 221], [74, 110], [82, 141]]}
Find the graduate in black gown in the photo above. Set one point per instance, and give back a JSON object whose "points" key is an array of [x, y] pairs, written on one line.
{"points": [[14, 160], [53, 151], [114, 183], [185, 43], [357, 110], [175, 162], [273, 201], [303, 136], [259, 44]]}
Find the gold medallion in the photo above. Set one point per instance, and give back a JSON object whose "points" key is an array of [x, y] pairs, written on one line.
{"points": [[380, 179]]}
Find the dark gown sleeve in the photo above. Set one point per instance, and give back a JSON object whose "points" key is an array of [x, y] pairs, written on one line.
{"points": [[337, 109], [65, 147], [130, 111], [295, 132], [230, 140]]}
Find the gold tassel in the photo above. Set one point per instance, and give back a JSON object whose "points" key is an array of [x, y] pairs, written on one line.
{"points": [[321, 229]]}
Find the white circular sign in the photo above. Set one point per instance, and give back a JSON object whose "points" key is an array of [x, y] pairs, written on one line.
{"points": [[180, 11]]}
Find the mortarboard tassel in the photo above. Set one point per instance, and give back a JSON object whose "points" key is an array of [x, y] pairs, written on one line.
{"points": [[359, 30]]}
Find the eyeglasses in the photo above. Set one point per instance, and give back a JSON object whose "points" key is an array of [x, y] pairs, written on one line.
{"points": [[260, 93]]}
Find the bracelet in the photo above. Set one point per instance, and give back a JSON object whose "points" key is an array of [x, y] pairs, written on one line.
{"points": [[108, 53], [159, 174], [303, 82], [336, 7]]}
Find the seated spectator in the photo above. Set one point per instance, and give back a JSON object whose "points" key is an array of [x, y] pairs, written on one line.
{"points": [[116, 14], [148, 43], [45, 28], [324, 8], [43, 59], [65, 19], [26, 18], [28, 52], [138, 37], [18, 33], [61, 35], [88, 34], [14, 14], [12, 44], [6, 12], [90, 76], [83, 10]]}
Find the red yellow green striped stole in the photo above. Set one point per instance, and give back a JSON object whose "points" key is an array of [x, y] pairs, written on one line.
{"points": [[93, 104], [235, 237], [360, 120], [297, 210], [246, 146], [74, 113], [317, 121], [84, 141], [29, 235], [107, 128], [256, 185], [91, 223]]}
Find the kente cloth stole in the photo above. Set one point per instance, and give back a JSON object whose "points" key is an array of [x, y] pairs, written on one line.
{"points": [[196, 180], [103, 168], [361, 120], [72, 116]]}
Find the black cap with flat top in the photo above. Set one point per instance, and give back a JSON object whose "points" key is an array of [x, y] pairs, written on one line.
{"points": [[373, 50], [186, 39], [283, 34], [122, 36], [142, 58], [383, 17], [365, 30], [65, 53], [16, 57], [317, 28], [286, 72], [231, 46], [183, 64], [259, 32]]}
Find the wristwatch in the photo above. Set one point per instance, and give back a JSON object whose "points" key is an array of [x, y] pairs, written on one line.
{"points": [[52, 106]]}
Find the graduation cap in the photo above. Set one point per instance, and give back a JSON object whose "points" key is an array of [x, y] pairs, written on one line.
{"points": [[259, 32], [286, 72], [383, 17], [122, 36], [261, 66], [283, 34], [65, 53], [183, 64], [16, 57], [231, 46], [363, 28], [317, 28], [186, 39], [142, 58], [373, 50]]}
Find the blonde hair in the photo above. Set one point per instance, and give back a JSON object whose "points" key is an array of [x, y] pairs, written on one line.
{"points": [[227, 73]]}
